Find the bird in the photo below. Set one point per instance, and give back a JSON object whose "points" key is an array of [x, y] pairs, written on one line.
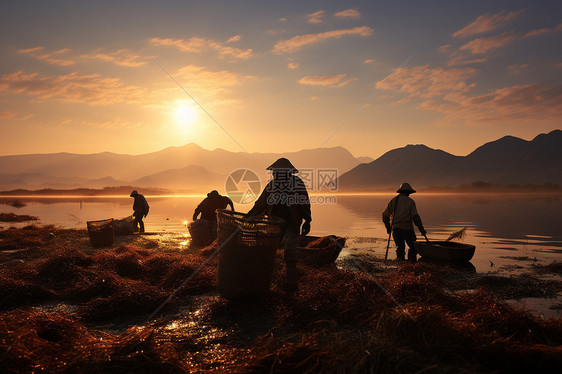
{"points": [[491, 263]]}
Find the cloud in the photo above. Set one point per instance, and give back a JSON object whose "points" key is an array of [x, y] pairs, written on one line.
{"points": [[298, 42], [488, 22], [90, 89], [209, 82], [14, 116], [348, 13], [233, 39], [293, 65], [39, 53], [325, 80], [316, 17], [531, 102], [516, 69], [547, 30], [485, 45], [121, 57], [111, 124], [201, 45], [465, 60], [426, 82], [448, 91]]}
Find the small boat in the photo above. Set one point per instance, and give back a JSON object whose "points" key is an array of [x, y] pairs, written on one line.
{"points": [[446, 251], [318, 251]]}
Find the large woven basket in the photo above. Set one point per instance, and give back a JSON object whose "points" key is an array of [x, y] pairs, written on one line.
{"points": [[247, 253], [101, 232]]}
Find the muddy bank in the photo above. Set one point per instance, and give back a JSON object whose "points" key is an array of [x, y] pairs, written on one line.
{"points": [[69, 308]]}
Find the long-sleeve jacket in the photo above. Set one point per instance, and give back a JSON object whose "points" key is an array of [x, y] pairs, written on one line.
{"points": [[209, 206], [287, 199], [140, 206], [403, 210]]}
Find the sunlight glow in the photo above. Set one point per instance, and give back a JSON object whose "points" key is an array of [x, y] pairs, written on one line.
{"points": [[185, 114]]}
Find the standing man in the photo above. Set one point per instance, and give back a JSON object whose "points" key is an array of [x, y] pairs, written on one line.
{"points": [[403, 211], [140, 208], [285, 196]]}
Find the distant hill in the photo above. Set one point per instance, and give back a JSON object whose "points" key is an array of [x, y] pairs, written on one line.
{"points": [[189, 167], [508, 160]]}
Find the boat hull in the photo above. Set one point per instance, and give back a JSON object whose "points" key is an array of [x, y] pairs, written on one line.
{"points": [[446, 251]]}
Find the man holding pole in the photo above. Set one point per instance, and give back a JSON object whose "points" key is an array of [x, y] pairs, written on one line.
{"points": [[402, 210]]}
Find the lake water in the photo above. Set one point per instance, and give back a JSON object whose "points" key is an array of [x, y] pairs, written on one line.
{"points": [[501, 226]]}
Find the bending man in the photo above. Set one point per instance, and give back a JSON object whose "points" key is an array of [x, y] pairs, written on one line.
{"points": [[140, 208]]}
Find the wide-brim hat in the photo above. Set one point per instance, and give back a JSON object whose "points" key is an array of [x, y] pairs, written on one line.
{"points": [[134, 193], [282, 164], [213, 193], [405, 187]]}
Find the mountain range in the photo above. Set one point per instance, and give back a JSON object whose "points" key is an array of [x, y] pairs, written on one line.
{"points": [[508, 160], [188, 168]]}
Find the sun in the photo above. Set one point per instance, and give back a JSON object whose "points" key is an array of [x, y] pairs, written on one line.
{"points": [[185, 115]]}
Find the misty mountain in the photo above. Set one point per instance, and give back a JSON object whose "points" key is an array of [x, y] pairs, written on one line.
{"points": [[67, 170], [508, 160], [188, 179]]}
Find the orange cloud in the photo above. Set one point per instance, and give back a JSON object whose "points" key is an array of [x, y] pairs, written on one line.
{"points": [[293, 65], [300, 41], [488, 22], [547, 30], [516, 69], [13, 116], [426, 82], [484, 45], [316, 17], [121, 57], [531, 102], [325, 80], [210, 83], [201, 45], [233, 39], [90, 89], [39, 54], [348, 13]]}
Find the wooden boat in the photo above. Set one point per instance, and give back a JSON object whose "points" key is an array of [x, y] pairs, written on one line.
{"points": [[446, 251], [318, 251]]}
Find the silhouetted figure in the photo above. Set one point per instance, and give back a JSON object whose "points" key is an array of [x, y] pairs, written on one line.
{"points": [[208, 208], [140, 208], [403, 211], [285, 196]]}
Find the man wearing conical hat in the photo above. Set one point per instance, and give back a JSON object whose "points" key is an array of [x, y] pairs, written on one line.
{"points": [[402, 210], [285, 196]]}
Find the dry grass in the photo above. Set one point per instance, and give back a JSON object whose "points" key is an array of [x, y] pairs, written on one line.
{"points": [[338, 321]]}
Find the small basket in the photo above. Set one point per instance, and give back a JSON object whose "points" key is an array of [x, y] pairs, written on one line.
{"points": [[247, 253], [101, 232]]}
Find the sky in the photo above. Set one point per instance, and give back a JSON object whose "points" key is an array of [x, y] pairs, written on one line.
{"points": [[276, 76]]}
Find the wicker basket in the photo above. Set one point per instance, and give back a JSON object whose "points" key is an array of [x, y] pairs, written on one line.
{"points": [[124, 226], [247, 253], [200, 232], [101, 232]]}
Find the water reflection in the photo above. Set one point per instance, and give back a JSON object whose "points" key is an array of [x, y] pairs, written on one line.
{"points": [[499, 225]]}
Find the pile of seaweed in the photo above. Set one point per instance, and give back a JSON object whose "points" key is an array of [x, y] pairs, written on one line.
{"points": [[12, 217], [401, 318]]}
